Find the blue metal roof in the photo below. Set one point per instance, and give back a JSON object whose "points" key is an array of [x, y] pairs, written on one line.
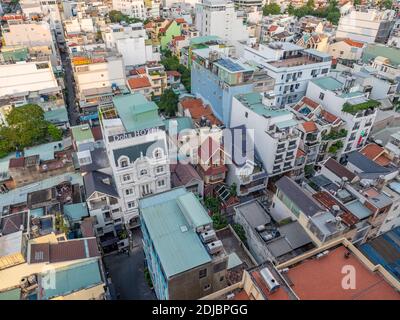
{"points": [[385, 250]]}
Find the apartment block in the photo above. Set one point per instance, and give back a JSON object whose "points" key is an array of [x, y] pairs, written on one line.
{"points": [[175, 222]]}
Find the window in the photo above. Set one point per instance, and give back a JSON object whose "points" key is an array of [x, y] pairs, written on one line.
{"points": [[128, 191], [202, 273], [161, 183], [222, 279], [321, 96], [143, 172], [131, 204], [126, 177], [159, 169], [123, 162], [157, 153], [246, 114]]}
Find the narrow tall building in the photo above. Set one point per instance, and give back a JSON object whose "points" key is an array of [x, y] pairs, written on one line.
{"points": [[137, 149]]}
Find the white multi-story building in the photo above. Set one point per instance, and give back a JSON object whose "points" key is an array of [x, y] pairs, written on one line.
{"points": [[132, 8], [347, 103], [366, 25], [276, 137], [128, 39], [291, 66], [92, 71], [137, 150], [49, 9], [219, 18]]}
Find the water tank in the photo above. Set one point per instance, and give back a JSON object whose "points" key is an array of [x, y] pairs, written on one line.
{"points": [[269, 279], [208, 236], [215, 247]]}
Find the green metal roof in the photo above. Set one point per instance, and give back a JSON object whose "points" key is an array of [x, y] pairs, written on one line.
{"points": [[254, 102], [166, 222], [182, 122], [45, 151], [194, 212], [371, 51], [74, 278], [76, 211], [328, 83], [56, 115], [13, 294], [199, 40], [82, 133], [136, 112], [286, 124]]}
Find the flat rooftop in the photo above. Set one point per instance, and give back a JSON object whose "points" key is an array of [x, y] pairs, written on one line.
{"points": [[328, 83], [171, 218], [321, 279], [293, 62]]}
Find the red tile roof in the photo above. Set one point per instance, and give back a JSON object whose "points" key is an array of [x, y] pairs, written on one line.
{"points": [[97, 134], [139, 82], [16, 162], [354, 43], [183, 174], [309, 126], [321, 279], [300, 153], [180, 20], [173, 73], [272, 28], [197, 109], [328, 201], [375, 153], [64, 250], [329, 117]]}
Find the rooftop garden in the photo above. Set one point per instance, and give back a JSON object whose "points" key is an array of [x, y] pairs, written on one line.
{"points": [[334, 135], [354, 108]]}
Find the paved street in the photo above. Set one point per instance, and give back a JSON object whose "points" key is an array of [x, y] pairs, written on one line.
{"points": [[69, 86], [127, 274]]}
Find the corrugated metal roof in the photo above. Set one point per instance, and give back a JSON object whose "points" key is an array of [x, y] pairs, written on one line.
{"points": [[71, 279], [178, 251]]}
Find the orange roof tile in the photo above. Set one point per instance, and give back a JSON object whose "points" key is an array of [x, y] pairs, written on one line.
{"points": [[329, 117], [197, 109], [272, 28], [354, 43], [309, 126], [140, 82], [372, 151], [321, 279], [180, 20]]}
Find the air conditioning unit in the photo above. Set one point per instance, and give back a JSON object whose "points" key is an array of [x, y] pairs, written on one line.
{"points": [[215, 247], [208, 236]]}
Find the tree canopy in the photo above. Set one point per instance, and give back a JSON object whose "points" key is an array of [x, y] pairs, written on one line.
{"points": [[118, 16], [271, 8], [168, 102], [26, 127], [171, 62], [331, 12]]}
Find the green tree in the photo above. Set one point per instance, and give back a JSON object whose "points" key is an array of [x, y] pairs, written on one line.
{"points": [[310, 4], [26, 113], [290, 9], [117, 16], [219, 221], [240, 231], [168, 102], [212, 204], [356, 2], [386, 4], [271, 8], [54, 132]]}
